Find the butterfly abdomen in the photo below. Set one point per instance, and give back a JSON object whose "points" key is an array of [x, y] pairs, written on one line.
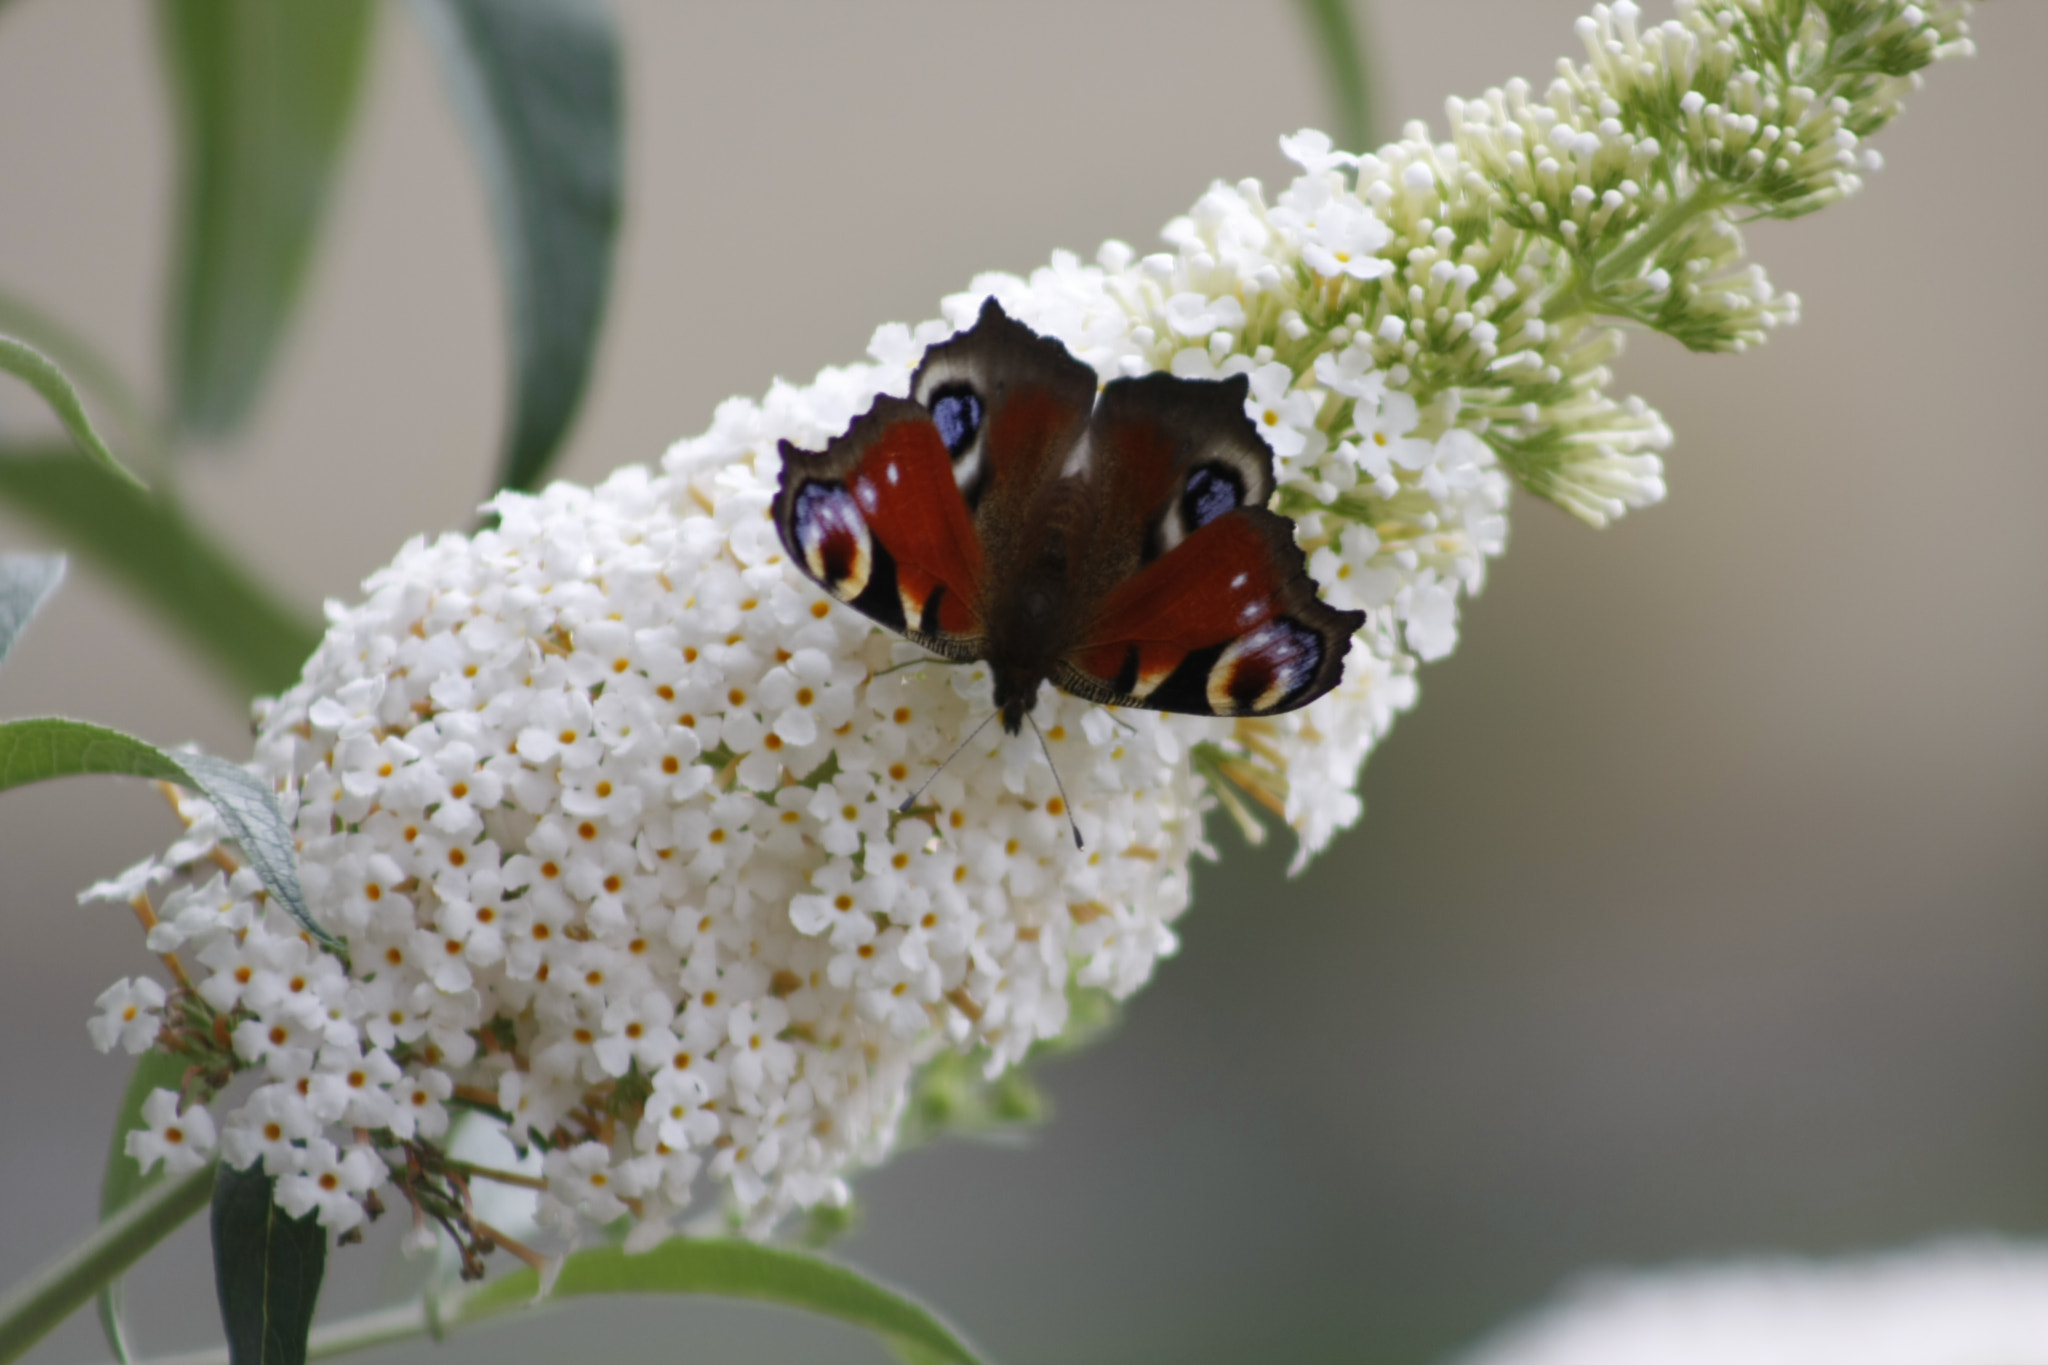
{"points": [[1027, 621]]}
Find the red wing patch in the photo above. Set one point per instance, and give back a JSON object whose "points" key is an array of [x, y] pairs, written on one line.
{"points": [[1226, 623], [877, 521], [904, 488], [1214, 586]]}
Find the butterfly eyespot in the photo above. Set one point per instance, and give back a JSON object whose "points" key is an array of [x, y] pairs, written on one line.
{"points": [[833, 537], [1211, 491], [1259, 671], [957, 411], [959, 414]]}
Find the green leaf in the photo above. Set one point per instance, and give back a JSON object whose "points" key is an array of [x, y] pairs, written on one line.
{"points": [[536, 84], [87, 369], [124, 1180], [32, 368], [146, 543], [248, 806], [38, 750], [264, 93], [26, 583], [741, 1270], [1335, 36], [266, 1269]]}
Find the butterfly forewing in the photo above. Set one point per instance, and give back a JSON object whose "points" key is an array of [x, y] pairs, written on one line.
{"points": [[876, 520], [1013, 406]]}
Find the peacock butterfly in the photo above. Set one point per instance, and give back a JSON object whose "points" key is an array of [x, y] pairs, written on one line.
{"points": [[1119, 547]]}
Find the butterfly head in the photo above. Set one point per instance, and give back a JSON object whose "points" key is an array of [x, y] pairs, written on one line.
{"points": [[1016, 692]]}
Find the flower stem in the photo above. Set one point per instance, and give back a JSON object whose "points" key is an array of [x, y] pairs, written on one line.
{"points": [[31, 1309], [525, 1182], [1662, 228], [1586, 292]]}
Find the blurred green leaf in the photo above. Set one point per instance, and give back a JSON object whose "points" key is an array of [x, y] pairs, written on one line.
{"points": [[147, 544], [124, 1180], [87, 369], [536, 84], [264, 93], [740, 1270], [26, 583], [50, 746], [1334, 33], [34, 369], [267, 1267]]}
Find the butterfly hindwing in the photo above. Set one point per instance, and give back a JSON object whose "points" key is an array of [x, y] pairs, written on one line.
{"points": [[1226, 623], [877, 521]]}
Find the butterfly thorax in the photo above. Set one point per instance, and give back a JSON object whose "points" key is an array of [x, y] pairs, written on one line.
{"points": [[1029, 622]]}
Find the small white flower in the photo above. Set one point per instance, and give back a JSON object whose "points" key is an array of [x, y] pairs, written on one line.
{"points": [[351, 711], [1284, 416], [330, 1182], [636, 1028], [130, 1015], [418, 1106], [180, 1137], [581, 1179], [270, 1126], [136, 881], [349, 1086]]}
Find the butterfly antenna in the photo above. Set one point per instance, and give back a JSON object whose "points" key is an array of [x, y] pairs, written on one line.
{"points": [[911, 800], [1065, 804]]}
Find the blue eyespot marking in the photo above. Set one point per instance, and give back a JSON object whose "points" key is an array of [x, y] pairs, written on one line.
{"points": [[957, 411], [1211, 491]]}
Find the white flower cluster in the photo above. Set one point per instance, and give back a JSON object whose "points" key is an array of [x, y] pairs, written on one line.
{"points": [[604, 801], [603, 804]]}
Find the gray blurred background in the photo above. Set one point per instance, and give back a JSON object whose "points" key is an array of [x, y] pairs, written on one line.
{"points": [[1698, 908]]}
